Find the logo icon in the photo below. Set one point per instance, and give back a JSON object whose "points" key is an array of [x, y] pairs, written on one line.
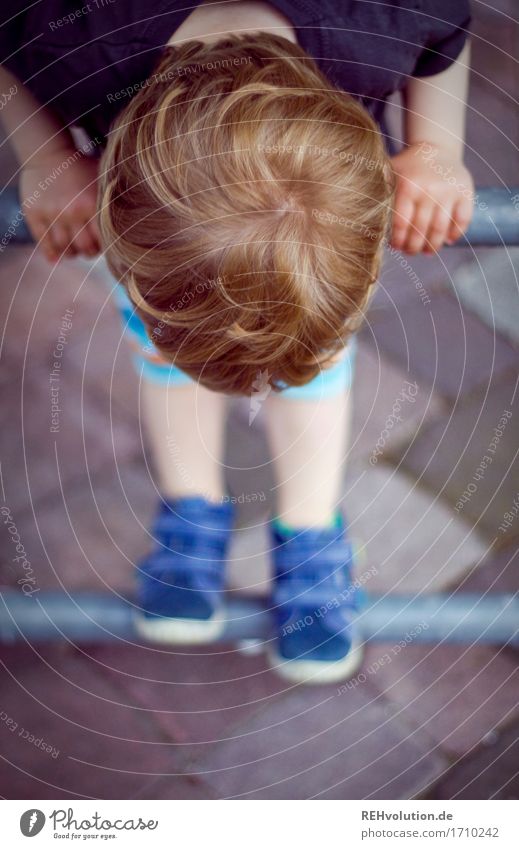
{"points": [[32, 822]]}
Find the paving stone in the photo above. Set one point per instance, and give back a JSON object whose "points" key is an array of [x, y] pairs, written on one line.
{"points": [[247, 467], [454, 694], [382, 390], [91, 539], [492, 126], [492, 112], [492, 59], [413, 540], [32, 332], [250, 568], [102, 352], [442, 345], [489, 773], [498, 573], [176, 788], [106, 748], [411, 280], [21, 785], [37, 462], [449, 454], [487, 284], [317, 743], [493, 86], [36, 294], [196, 695]]}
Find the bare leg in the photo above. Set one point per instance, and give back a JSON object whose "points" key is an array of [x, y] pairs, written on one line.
{"points": [[309, 442], [185, 426]]}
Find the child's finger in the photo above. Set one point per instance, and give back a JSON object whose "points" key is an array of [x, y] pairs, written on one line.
{"points": [[461, 218], [402, 216], [83, 239], [439, 229], [419, 227], [94, 232], [62, 239], [41, 233]]}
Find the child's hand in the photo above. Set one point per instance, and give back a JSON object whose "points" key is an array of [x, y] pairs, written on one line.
{"points": [[433, 199], [59, 195]]}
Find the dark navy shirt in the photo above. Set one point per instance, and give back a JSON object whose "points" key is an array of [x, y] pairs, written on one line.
{"points": [[78, 55]]}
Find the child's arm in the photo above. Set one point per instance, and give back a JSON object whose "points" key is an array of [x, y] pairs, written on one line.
{"points": [[58, 200], [434, 190]]}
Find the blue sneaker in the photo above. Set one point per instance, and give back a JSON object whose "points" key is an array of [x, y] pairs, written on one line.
{"points": [[315, 604], [180, 583]]}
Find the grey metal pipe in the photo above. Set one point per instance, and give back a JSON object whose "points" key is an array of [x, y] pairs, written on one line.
{"points": [[52, 616], [495, 221]]}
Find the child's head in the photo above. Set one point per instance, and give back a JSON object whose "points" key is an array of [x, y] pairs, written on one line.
{"points": [[243, 203]]}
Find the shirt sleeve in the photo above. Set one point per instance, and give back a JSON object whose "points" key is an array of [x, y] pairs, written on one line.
{"points": [[447, 29]]}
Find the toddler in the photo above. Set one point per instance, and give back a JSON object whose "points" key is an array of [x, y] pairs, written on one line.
{"points": [[242, 202]]}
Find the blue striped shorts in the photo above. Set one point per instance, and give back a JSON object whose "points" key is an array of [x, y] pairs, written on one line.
{"points": [[151, 366]]}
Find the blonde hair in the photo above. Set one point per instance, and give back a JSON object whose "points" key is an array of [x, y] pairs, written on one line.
{"points": [[243, 203]]}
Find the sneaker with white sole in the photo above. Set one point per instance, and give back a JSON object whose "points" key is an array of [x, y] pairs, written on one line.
{"points": [[315, 603], [181, 582]]}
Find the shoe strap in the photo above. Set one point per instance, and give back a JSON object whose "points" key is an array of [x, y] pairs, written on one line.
{"points": [[160, 564], [194, 525], [301, 563]]}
